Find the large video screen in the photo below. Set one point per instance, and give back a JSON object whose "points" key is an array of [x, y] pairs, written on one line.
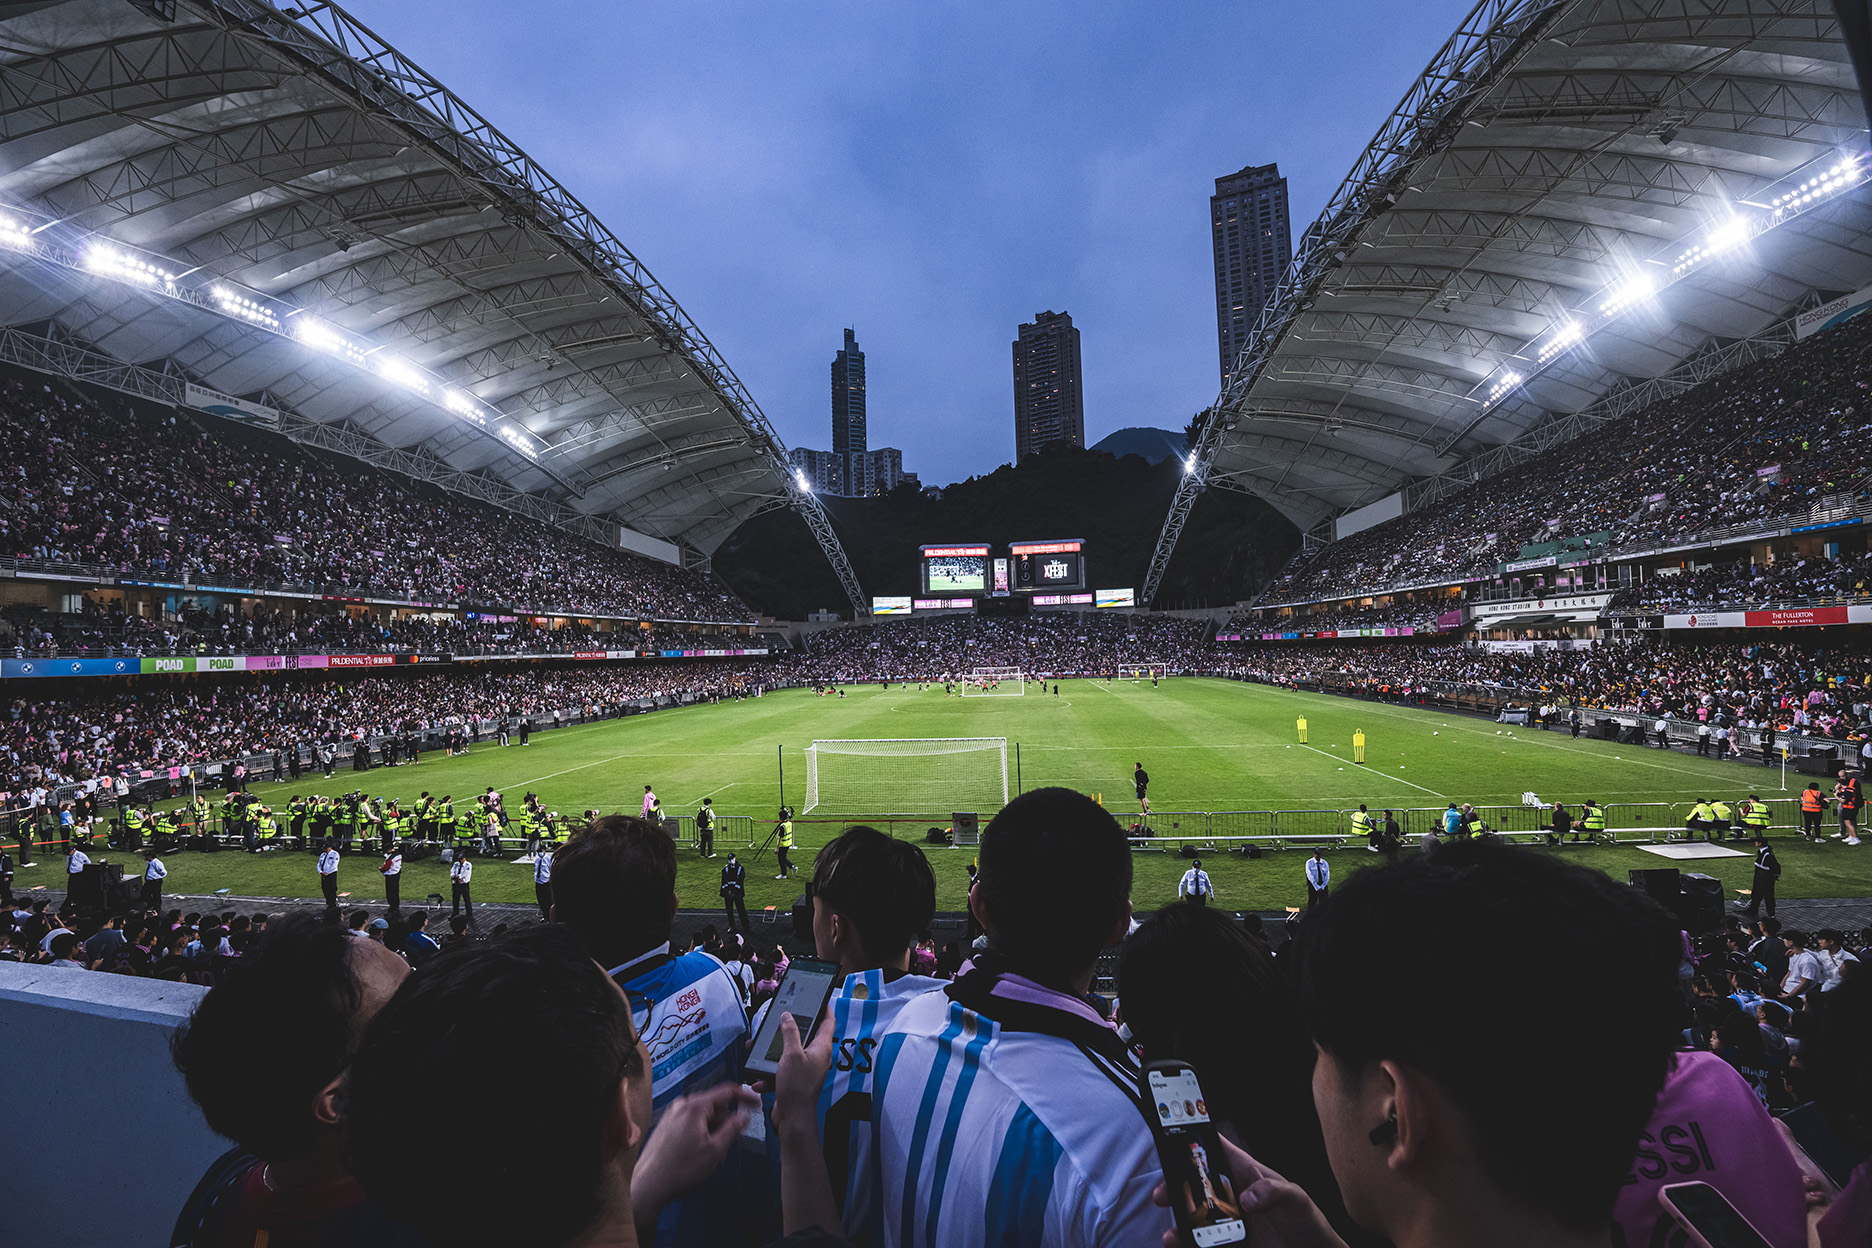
{"points": [[955, 570], [1051, 565]]}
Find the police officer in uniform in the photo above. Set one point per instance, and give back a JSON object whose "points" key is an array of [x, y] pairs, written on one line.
{"points": [[1196, 885], [733, 891], [392, 869], [328, 876], [542, 881], [154, 873], [1762, 885]]}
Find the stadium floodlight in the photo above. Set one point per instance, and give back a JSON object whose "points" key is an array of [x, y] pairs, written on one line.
{"points": [[396, 369], [1189, 463], [1634, 287], [522, 441], [1568, 335], [906, 776], [108, 261], [804, 484], [13, 232], [1503, 384], [461, 403], [320, 336], [234, 303]]}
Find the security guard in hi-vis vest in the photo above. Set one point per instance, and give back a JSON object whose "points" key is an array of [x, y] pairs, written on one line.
{"points": [[1755, 816], [784, 832], [1364, 825], [1591, 819]]}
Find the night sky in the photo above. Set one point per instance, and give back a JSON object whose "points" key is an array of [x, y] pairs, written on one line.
{"points": [[933, 175]]}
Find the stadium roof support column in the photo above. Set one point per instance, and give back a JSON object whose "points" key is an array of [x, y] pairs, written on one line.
{"points": [[1493, 36]]}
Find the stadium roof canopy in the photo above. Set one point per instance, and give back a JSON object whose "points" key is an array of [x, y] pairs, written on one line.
{"points": [[274, 204], [1577, 196]]}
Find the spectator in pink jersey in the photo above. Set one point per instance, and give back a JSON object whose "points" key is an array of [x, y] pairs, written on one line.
{"points": [[1709, 1127]]}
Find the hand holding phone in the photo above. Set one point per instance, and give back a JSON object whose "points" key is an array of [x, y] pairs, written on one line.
{"points": [[1708, 1218], [1201, 1192], [803, 992]]}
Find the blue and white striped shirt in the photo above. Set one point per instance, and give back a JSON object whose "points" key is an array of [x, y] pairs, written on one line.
{"points": [[1000, 1120]]}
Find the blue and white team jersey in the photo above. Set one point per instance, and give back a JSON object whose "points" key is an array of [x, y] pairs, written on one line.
{"points": [[1008, 1114], [689, 1013], [863, 1009]]}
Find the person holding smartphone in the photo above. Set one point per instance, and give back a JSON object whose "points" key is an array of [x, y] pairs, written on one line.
{"points": [[871, 895], [614, 884]]}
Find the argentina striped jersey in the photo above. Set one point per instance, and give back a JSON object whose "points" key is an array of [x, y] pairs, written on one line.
{"points": [[862, 1010], [1003, 1122]]}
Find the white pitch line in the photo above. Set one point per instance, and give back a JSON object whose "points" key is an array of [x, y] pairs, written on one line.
{"points": [[1400, 779]]}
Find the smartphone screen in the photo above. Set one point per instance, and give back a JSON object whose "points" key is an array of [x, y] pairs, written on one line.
{"points": [[1201, 1195], [803, 992], [1709, 1216]]}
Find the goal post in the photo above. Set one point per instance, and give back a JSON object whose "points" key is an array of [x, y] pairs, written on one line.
{"points": [[906, 775], [995, 682]]}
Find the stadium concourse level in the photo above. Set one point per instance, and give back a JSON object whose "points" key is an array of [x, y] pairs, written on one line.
{"points": [[109, 729], [142, 490], [1667, 471], [1060, 643], [265, 630], [1038, 1135]]}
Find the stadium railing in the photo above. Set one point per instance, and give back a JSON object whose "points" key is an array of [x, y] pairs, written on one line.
{"points": [[730, 830]]}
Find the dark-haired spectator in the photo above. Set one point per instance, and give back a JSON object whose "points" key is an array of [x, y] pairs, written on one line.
{"points": [[614, 884], [419, 946], [592, 1176], [1006, 1105], [1424, 1095], [308, 990]]}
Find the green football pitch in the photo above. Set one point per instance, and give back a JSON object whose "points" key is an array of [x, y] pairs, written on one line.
{"points": [[1209, 745]]}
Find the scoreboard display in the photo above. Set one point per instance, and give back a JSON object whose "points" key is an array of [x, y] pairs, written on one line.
{"points": [[1046, 567], [954, 570]]}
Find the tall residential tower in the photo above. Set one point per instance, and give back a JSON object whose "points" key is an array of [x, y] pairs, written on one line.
{"points": [[1049, 403], [848, 413], [1248, 217]]}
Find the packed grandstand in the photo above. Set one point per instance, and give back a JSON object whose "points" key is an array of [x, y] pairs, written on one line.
{"points": [[262, 528]]}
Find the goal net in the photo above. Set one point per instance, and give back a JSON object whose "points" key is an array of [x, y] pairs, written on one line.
{"points": [[994, 682], [907, 775]]}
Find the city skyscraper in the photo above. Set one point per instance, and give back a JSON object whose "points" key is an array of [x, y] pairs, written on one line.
{"points": [[1049, 402], [848, 414], [851, 468], [1248, 216]]}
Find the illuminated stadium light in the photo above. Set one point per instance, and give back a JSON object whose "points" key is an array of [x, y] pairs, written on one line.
{"points": [[1189, 463], [1503, 384], [107, 261], [1726, 237], [1567, 336], [395, 369], [236, 304], [804, 484], [319, 336], [1631, 290], [13, 233], [462, 404], [522, 441]]}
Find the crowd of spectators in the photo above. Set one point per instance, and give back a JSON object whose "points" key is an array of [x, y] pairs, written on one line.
{"points": [[1740, 584], [1058, 643], [1821, 690], [107, 729], [1347, 1096], [1418, 616], [1770, 439], [136, 489], [109, 632]]}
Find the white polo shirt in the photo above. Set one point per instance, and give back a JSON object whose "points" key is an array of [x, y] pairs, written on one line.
{"points": [[462, 871], [76, 861], [328, 862]]}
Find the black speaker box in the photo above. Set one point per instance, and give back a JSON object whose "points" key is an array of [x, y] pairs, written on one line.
{"points": [[1699, 903], [802, 917], [1660, 883]]}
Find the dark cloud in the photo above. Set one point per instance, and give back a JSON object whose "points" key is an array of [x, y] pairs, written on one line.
{"points": [[932, 174]]}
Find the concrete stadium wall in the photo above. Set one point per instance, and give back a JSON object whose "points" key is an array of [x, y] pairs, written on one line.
{"points": [[85, 1057]]}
